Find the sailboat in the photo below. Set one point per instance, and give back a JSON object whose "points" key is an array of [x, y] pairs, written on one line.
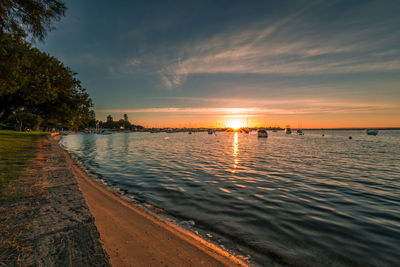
{"points": [[299, 130]]}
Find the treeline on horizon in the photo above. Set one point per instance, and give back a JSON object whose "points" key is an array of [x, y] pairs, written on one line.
{"points": [[37, 91], [120, 124]]}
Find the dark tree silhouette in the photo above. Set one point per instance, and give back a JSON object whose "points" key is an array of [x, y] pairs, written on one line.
{"points": [[34, 17], [33, 80]]}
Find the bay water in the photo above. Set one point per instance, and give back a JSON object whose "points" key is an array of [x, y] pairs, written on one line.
{"points": [[283, 200]]}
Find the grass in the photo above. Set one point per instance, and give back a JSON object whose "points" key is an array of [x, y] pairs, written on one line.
{"points": [[15, 133], [17, 149]]}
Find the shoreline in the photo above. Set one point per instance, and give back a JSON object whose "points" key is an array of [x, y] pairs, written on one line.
{"points": [[132, 235]]}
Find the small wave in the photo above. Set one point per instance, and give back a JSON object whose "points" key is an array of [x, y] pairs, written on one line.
{"points": [[224, 190]]}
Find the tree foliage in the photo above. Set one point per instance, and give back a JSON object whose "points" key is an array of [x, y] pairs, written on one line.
{"points": [[39, 83], [22, 120], [35, 87], [92, 119], [120, 124], [35, 17]]}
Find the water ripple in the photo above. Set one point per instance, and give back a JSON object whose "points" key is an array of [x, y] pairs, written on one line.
{"points": [[287, 200]]}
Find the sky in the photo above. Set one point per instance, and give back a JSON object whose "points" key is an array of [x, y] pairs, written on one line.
{"points": [[310, 64]]}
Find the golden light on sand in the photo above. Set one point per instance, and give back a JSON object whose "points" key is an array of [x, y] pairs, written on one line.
{"points": [[235, 124]]}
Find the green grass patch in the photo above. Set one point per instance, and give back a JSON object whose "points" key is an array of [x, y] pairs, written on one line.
{"points": [[15, 133], [17, 149]]}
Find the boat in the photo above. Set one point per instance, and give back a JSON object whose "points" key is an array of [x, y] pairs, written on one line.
{"points": [[371, 131], [262, 133], [104, 132], [300, 132], [288, 130], [210, 131]]}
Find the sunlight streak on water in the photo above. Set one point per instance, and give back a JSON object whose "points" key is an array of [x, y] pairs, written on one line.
{"points": [[235, 147]]}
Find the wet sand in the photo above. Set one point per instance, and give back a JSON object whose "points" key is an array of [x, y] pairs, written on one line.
{"points": [[134, 237]]}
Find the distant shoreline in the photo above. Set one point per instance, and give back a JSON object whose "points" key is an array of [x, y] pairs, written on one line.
{"points": [[350, 129], [201, 129]]}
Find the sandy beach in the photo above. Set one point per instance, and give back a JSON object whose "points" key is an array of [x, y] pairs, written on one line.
{"points": [[133, 237]]}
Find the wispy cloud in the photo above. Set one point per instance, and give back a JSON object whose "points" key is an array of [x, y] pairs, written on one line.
{"points": [[265, 107], [279, 49], [171, 77], [133, 62], [186, 110], [127, 66]]}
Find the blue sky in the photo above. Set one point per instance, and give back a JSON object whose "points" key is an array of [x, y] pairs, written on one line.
{"points": [[321, 63]]}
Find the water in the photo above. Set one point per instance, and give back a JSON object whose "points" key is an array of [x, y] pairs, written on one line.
{"points": [[285, 200]]}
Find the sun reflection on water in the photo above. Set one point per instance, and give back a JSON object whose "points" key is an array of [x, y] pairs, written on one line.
{"points": [[235, 152]]}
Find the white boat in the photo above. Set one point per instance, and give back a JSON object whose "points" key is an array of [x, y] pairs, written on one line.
{"points": [[262, 133], [371, 131], [288, 130], [300, 132]]}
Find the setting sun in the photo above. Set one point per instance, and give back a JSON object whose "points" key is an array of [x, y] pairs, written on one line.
{"points": [[235, 124]]}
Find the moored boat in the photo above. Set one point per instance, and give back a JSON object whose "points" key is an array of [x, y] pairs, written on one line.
{"points": [[371, 131], [288, 130], [262, 133]]}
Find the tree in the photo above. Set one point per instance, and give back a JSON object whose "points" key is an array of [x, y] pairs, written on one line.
{"points": [[92, 122], [35, 81], [109, 118], [120, 123], [23, 119], [127, 124], [71, 107], [35, 17], [109, 122]]}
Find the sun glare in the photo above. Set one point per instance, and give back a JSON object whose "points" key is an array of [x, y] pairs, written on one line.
{"points": [[235, 124]]}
